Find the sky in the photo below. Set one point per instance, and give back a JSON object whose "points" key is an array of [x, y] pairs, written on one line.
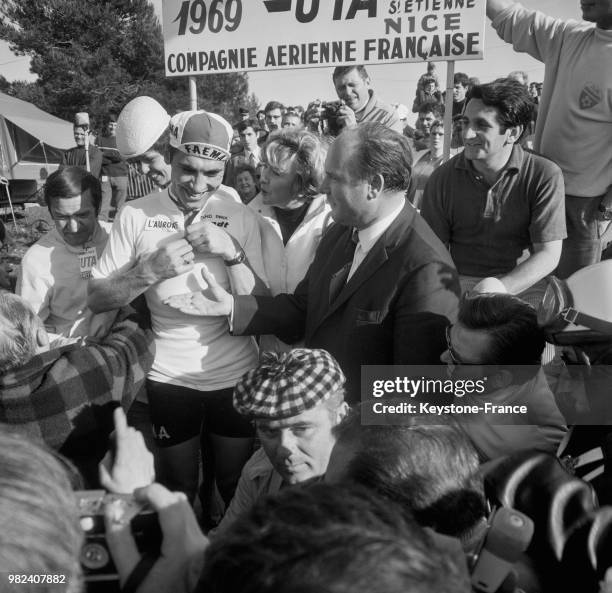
{"points": [[393, 82]]}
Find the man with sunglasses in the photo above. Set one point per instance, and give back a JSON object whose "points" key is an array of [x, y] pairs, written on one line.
{"points": [[497, 336], [494, 202]]}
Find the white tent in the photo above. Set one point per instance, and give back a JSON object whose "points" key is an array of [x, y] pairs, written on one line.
{"points": [[31, 144]]}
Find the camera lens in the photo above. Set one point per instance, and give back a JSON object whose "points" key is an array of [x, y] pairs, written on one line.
{"points": [[94, 556]]}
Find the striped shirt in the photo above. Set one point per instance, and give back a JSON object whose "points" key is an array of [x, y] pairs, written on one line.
{"points": [[380, 112]]}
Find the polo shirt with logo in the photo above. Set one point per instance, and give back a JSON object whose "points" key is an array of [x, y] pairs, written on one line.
{"points": [[487, 228]]}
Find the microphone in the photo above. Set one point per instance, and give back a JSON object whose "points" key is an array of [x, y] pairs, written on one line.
{"points": [[507, 537]]}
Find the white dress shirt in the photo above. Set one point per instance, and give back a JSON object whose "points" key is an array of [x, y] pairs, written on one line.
{"points": [[369, 236]]}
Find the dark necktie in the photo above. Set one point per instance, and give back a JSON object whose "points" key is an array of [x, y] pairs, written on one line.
{"points": [[338, 280]]}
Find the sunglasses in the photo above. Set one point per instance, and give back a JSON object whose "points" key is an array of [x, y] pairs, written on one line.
{"points": [[454, 358]]}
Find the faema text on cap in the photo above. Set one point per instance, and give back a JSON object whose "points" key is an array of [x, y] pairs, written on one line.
{"points": [[139, 125], [203, 134]]}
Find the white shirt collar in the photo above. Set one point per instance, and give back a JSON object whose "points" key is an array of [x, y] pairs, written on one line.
{"points": [[371, 234], [256, 153]]}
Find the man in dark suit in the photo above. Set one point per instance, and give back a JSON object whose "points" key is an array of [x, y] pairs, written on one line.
{"points": [[381, 289]]}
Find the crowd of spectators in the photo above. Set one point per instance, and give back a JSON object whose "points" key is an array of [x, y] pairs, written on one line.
{"points": [[203, 348]]}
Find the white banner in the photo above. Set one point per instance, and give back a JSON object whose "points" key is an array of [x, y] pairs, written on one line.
{"points": [[209, 36]]}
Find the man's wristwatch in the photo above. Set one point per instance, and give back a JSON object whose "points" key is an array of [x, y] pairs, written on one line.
{"points": [[237, 259], [604, 213]]}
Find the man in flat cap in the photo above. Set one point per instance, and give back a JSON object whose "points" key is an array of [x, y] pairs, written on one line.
{"points": [[158, 246], [295, 399]]}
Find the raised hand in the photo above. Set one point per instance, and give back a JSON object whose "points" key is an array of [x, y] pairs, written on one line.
{"points": [[131, 464], [195, 303], [346, 116], [182, 551]]}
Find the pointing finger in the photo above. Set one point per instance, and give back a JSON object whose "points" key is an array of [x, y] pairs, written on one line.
{"points": [[120, 421]]}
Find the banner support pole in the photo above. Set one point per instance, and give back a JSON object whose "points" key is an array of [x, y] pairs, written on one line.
{"points": [[193, 94], [448, 108]]}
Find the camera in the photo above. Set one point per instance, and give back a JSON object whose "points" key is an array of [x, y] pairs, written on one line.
{"points": [[95, 558], [322, 116], [331, 113]]}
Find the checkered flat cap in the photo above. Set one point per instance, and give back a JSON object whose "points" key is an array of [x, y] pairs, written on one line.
{"points": [[285, 385]]}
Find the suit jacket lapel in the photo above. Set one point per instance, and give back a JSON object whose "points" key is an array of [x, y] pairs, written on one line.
{"points": [[376, 257], [373, 260], [337, 282]]}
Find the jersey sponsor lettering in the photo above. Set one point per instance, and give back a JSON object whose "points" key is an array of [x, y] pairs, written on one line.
{"points": [[217, 219], [88, 258], [160, 224]]}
